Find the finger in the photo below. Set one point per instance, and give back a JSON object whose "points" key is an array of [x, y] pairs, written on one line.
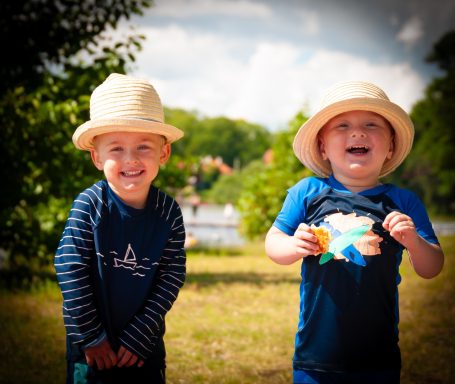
{"points": [[303, 227], [307, 249], [400, 220], [389, 217], [112, 357], [109, 359], [99, 363], [107, 362], [304, 232], [140, 363], [132, 360], [121, 352], [89, 360], [125, 358], [405, 227]]}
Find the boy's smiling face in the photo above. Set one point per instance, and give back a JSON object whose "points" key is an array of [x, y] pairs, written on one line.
{"points": [[130, 162], [356, 143]]}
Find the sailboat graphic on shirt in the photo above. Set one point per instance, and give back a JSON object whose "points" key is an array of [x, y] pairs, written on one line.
{"points": [[129, 261]]}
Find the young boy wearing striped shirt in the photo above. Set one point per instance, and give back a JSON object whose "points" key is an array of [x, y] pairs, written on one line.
{"points": [[120, 262]]}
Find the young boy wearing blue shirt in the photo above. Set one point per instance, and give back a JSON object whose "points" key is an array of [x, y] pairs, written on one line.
{"points": [[349, 231], [120, 262]]}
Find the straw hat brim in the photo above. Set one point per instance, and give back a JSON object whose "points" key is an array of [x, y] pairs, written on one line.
{"points": [[306, 144], [84, 134]]}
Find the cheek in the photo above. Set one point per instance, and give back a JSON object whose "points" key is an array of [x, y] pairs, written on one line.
{"points": [[328, 145], [109, 165]]}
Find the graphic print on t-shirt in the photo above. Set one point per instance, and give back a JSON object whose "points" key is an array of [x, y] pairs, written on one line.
{"points": [[352, 238], [129, 261]]}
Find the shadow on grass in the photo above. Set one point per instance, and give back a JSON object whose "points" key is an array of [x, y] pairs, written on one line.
{"points": [[206, 279]]}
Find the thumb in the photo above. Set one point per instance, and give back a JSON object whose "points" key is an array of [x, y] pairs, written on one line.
{"points": [[89, 360]]}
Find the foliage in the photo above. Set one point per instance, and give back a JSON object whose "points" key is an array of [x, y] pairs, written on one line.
{"points": [[228, 188], [38, 114], [264, 193], [173, 176], [430, 169], [39, 34], [237, 142]]}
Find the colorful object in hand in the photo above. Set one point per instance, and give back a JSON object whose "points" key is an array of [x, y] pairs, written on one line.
{"points": [[345, 240], [324, 236]]}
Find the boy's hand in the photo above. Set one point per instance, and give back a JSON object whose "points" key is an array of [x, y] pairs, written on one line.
{"points": [[401, 228], [126, 358], [305, 242], [102, 355]]}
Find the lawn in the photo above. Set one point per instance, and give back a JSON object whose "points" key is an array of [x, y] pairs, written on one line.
{"points": [[234, 322]]}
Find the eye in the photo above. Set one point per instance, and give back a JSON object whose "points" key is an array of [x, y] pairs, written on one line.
{"points": [[372, 125], [342, 125], [143, 147], [116, 149]]}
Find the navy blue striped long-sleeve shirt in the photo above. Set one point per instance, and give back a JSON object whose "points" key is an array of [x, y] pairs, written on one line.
{"points": [[120, 270]]}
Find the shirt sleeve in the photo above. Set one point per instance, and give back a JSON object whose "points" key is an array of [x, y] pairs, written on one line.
{"points": [[141, 334], [72, 263], [411, 205], [288, 219]]}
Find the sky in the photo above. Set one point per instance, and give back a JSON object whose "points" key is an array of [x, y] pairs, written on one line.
{"points": [[264, 61]]}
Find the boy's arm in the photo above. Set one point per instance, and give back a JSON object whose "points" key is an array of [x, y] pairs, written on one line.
{"points": [[426, 258], [285, 249], [72, 265], [139, 336]]}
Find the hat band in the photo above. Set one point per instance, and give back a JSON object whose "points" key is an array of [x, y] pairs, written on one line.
{"points": [[130, 118]]}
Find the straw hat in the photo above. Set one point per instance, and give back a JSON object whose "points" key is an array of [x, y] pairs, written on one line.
{"points": [[124, 104], [353, 96]]}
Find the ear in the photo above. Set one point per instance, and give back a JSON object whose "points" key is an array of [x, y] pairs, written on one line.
{"points": [[96, 159], [165, 153], [391, 148], [322, 148]]}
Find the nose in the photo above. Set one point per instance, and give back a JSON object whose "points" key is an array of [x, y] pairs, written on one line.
{"points": [[131, 157], [358, 131]]}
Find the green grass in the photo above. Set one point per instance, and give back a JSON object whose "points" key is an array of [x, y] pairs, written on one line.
{"points": [[234, 322]]}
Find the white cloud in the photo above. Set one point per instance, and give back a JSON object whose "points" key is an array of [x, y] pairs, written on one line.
{"points": [[203, 72], [411, 32], [192, 8]]}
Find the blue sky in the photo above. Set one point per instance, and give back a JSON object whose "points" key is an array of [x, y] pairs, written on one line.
{"points": [[264, 60]]}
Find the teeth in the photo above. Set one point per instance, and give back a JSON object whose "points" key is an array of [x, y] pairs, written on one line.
{"points": [[358, 148], [131, 173]]}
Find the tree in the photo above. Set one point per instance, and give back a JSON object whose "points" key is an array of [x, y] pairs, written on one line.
{"points": [[237, 142], [38, 34], [264, 193], [42, 99], [430, 169]]}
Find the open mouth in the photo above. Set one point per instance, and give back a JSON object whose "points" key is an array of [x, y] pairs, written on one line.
{"points": [[131, 173], [358, 149]]}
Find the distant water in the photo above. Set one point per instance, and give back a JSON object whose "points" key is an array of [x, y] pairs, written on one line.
{"points": [[216, 225], [444, 228], [213, 225]]}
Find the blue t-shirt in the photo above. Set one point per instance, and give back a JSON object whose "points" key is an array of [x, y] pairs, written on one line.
{"points": [[349, 310], [120, 270]]}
